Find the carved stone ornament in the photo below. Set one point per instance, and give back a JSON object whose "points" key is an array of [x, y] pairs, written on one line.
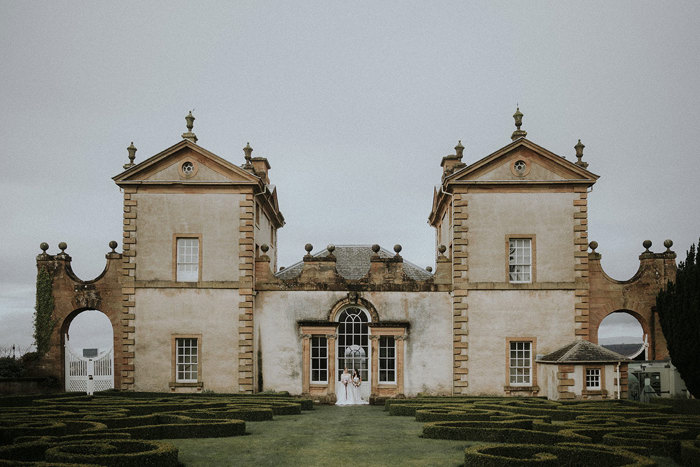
{"points": [[353, 297], [373, 337], [305, 336], [401, 338], [86, 296], [331, 336]]}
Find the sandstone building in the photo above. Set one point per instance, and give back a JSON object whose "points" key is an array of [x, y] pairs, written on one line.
{"points": [[197, 301]]}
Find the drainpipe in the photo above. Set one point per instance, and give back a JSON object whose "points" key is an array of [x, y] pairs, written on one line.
{"points": [[618, 380]]}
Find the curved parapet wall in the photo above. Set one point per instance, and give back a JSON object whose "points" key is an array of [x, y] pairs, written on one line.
{"points": [[72, 295], [636, 296]]}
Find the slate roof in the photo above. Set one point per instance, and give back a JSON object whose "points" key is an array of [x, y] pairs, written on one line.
{"points": [[352, 263], [582, 351]]}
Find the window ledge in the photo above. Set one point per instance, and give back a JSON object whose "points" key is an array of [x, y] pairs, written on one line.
{"points": [[595, 392], [531, 389], [195, 384]]}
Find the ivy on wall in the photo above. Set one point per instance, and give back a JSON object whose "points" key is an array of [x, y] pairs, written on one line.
{"points": [[43, 316]]}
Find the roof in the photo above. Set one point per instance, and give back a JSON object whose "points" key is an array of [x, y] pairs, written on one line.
{"points": [[582, 351], [352, 263], [577, 173], [129, 175]]}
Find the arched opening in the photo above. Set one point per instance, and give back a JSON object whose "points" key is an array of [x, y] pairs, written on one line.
{"points": [[353, 349], [87, 339], [625, 332]]}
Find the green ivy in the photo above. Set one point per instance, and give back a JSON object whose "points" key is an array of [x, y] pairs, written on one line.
{"points": [[43, 317]]}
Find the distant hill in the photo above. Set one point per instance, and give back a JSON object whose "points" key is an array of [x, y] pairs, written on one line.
{"points": [[620, 340], [628, 350]]}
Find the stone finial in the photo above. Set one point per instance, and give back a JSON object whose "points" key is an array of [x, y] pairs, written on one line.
{"points": [[308, 247], [518, 133], [282, 268], [375, 248], [132, 155], [646, 244], [593, 245], [189, 135], [397, 249], [44, 246], [264, 248], [248, 151], [330, 248], [113, 246], [429, 268], [579, 154], [668, 243], [459, 149], [62, 246]]}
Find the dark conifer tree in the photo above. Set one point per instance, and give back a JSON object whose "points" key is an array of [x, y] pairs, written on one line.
{"points": [[679, 312]]}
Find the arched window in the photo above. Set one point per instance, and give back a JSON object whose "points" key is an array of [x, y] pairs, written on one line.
{"points": [[353, 339]]}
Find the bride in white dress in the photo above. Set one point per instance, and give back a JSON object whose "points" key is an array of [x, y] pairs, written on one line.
{"points": [[356, 391], [344, 390]]}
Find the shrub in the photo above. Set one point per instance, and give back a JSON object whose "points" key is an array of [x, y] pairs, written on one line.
{"points": [[548, 455], [9, 430], [497, 432], [248, 414], [124, 453], [659, 444], [185, 427], [30, 451], [690, 452]]}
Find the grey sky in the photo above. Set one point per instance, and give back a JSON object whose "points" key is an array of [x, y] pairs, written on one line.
{"points": [[353, 104]]}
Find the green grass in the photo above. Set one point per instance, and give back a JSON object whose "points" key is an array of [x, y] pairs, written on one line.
{"points": [[334, 436]]}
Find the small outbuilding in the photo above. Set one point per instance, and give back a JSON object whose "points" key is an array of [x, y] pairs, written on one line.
{"points": [[583, 370]]}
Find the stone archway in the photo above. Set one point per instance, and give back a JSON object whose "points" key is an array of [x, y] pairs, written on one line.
{"points": [[82, 363], [636, 296], [72, 296]]}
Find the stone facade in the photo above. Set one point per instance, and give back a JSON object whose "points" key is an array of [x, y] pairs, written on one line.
{"points": [[197, 301]]}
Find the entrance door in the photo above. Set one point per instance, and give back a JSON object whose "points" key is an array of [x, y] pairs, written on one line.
{"points": [[353, 347]]}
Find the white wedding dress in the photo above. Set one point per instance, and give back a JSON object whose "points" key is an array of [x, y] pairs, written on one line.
{"points": [[357, 392], [344, 390]]}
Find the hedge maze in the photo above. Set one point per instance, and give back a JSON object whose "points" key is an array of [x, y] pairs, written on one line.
{"points": [[121, 428], [530, 431]]}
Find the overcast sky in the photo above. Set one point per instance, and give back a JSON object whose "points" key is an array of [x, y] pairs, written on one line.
{"points": [[354, 104]]}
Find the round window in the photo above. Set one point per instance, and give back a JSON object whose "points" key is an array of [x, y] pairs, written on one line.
{"points": [[520, 167], [188, 169]]}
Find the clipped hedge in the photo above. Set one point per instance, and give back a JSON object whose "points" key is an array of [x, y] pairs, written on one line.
{"points": [[248, 414], [690, 452], [29, 451], [180, 426], [9, 430], [657, 443], [497, 432], [81, 437], [125, 453], [548, 455]]}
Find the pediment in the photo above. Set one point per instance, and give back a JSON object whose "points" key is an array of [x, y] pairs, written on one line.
{"points": [[523, 161], [186, 162]]}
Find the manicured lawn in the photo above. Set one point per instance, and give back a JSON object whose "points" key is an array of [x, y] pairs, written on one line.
{"points": [[327, 435]]}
